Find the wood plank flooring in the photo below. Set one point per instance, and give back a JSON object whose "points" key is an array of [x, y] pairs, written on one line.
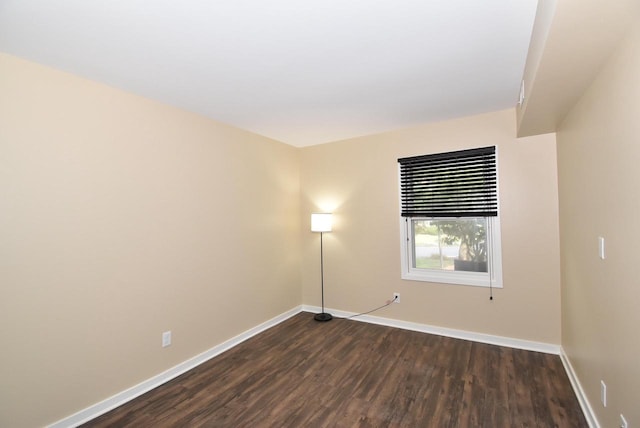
{"points": [[343, 373]]}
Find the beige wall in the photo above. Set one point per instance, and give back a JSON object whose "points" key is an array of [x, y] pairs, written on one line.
{"points": [[358, 180], [599, 178], [121, 218], [571, 39]]}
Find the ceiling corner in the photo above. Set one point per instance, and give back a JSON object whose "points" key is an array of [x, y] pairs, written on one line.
{"points": [[571, 40]]}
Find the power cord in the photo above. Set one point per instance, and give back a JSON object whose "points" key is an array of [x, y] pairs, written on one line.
{"points": [[372, 310]]}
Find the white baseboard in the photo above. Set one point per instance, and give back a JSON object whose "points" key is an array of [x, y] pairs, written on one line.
{"points": [[546, 348], [483, 338], [119, 399], [123, 397], [580, 394]]}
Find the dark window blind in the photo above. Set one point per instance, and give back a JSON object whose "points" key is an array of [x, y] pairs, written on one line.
{"points": [[453, 184]]}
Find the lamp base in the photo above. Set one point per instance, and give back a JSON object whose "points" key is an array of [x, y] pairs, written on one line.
{"points": [[323, 317]]}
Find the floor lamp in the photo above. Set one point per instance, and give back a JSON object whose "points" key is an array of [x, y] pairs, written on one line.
{"points": [[321, 222]]}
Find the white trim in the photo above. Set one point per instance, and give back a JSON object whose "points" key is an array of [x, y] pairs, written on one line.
{"points": [[527, 345], [492, 278], [119, 399], [589, 414], [123, 397]]}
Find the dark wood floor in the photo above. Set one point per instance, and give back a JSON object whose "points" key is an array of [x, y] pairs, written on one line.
{"points": [[344, 373]]}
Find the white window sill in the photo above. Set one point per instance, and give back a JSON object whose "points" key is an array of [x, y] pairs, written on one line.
{"points": [[452, 277]]}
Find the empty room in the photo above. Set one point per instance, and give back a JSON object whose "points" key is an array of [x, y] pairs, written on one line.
{"points": [[319, 214]]}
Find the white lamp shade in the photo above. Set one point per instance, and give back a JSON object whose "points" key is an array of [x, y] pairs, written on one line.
{"points": [[321, 222]]}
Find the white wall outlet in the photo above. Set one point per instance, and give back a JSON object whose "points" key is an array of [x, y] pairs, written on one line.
{"points": [[601, 247], [166, 339], [396, 297], [623, 422], [521, 96], [603, 393]]}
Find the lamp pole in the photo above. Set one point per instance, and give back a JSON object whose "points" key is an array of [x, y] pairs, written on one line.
{"points": [[321, 223], [322, 271]]}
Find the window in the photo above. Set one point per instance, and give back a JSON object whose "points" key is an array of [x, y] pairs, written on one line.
{"points": [[449, 220]]}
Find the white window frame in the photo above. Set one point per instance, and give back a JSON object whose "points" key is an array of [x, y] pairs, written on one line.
{"points": [[493, 278]]}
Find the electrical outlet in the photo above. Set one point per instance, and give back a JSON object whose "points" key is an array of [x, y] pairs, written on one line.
{"points": [[603, 393], [623, 422], [166, 339], [396, 297]]}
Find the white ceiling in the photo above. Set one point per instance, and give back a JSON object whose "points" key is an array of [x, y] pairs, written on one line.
{"points": [[300, 71]]}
